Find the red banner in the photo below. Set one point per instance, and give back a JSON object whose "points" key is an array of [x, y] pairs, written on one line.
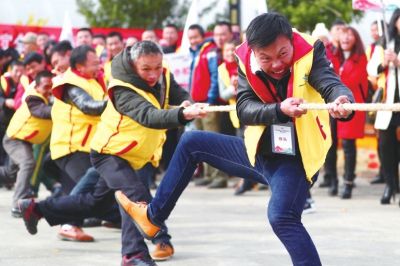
{"points": [[11, 34]]}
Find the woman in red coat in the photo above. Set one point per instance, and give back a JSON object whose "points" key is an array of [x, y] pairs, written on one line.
{"points": [[350, 63]]}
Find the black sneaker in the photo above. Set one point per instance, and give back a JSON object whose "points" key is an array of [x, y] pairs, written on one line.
{"points": [[31, 219], [141, 259]]}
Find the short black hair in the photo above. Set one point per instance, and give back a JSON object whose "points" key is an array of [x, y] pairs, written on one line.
{"points": [[61, 48], [338, 21], [47, 50], [264, 29], [43, 74], [115, 34], [198, 28], [12, 52], [33, 57], [86, 29], [101, 36], [224, 23], [16, 63], [171, 25], [79, 55]]}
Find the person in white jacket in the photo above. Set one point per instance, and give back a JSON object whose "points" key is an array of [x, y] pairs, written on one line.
{"points": [[387, 61]]}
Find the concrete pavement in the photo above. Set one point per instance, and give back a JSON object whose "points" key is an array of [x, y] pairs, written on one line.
{"points": [[215, 228]]}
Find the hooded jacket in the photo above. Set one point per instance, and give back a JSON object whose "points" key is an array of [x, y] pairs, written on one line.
{"points": [[134, 122]]}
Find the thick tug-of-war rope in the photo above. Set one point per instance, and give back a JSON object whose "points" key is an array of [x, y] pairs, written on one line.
{"points": [[367, 107]]}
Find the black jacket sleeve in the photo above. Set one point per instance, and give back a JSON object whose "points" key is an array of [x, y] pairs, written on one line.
{"points": [[177, 94], [83, 101], [38, 108], [131, 104]]}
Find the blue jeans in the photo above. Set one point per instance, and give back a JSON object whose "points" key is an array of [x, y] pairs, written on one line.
{"points": [[284, 174]]}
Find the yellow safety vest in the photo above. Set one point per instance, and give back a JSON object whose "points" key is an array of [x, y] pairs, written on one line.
{"points": [[120, 135], [313, 129], [25, 82], [24, 126], [107, 71], [5, 86], [224, 75], [72, 129]]}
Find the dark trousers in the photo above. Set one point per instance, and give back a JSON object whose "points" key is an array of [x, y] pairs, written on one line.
{"points": [[115, 174], [74, 164], [350, 156], [389, 146], [331, 157]]}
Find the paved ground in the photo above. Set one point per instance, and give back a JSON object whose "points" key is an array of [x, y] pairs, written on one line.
{"points": [[216, 228]]}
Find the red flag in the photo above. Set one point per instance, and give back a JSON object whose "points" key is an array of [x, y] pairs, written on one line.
{"points": [[367, 5]]}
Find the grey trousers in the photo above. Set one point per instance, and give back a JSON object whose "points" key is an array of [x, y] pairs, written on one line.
{"points": [[21, 155]]}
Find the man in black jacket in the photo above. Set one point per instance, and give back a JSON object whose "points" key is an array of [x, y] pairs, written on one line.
{"points": [[285, 145]]}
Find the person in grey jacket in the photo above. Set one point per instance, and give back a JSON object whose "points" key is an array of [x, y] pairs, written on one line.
{"points": [[139, 95]]}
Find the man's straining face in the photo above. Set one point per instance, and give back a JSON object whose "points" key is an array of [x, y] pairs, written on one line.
{"points": [[149, 68], [276, 58]]}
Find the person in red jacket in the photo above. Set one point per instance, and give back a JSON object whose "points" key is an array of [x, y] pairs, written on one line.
{"points": [[350, 63]]}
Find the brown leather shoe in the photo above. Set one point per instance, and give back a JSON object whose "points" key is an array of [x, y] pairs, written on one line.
{"points": [[162, 251], [74, 233], [138, 212]]}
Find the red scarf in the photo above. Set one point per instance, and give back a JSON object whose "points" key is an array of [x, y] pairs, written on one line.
{"points": [[99, 78]]}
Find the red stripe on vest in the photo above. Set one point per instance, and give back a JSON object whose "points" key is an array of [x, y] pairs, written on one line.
{"points": [[33, 134], [127, 148], [85, 138], [114, 134], [321, 128]]}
